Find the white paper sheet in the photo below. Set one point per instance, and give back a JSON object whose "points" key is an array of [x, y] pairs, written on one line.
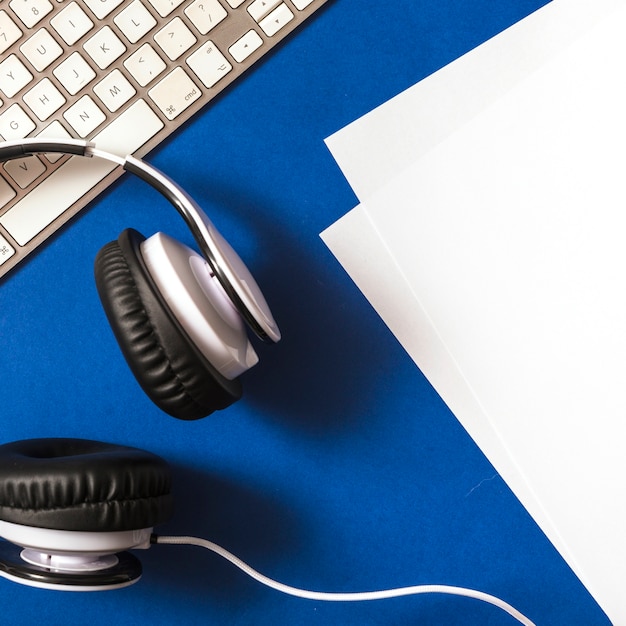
{"points": [[375, 148], [497, 258]]}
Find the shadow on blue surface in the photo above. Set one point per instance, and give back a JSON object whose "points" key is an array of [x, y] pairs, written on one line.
{"points": [[210, 507], [322, 368]]}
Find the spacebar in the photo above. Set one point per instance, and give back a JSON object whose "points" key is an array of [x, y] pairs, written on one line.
{"points": [[79, 175]]}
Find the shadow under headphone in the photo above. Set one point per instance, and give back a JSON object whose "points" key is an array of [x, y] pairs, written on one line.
{"points": [[71, 509]]}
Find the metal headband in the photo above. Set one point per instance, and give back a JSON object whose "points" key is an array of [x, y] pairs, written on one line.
{"points": [[228, 268]]}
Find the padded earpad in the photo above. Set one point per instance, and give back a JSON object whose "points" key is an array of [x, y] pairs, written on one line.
{"points": [[82, 485], [165, 362]]}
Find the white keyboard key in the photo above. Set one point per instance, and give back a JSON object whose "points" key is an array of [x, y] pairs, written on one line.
{"points": [[145, 64], [301, 4], [31, 12], [46, 202], [175, 38], [44, 99], [13, 76], [54, 131], [129, 130], [260, 8], [175, 93], [135, 21], [41, 50], [165, 7], [114, 90], [245, 46], [276, 20], [84, 116], [6, 250], [15, 123], [101, 8], [9, 32], [205, 14], [104, 47], [26, 170], [209, 64], [6, 192], [74, 73], [72, 23]]}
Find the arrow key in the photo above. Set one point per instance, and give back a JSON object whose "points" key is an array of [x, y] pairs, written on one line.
{"points": [[278, 18], [260, 8], [245, 46]]}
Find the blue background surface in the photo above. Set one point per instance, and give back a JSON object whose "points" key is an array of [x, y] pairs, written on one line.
{"points": [[341, 469]]}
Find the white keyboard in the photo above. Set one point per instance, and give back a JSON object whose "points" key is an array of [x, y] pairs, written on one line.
{"points": [[123, 73]]}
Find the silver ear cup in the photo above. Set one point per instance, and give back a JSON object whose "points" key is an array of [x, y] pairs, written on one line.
{"points": [[163, 358], [200, 304], [122, 570], [70, 560]]}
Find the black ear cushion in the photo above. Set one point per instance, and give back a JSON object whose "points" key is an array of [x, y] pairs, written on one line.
{"points": [[77, 484], [164, 360]]}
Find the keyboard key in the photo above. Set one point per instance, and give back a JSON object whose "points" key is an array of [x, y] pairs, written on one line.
{"points": [[26, 170], [6, 192], [101, 8], [114, 91], [54, 131], [145, 65], [15, 123], [205, 14], [74, 73], [72, 23], [260, 8], [135, 21], [6, 250], [41, 50], [46, 202], [165, 7], [104, 47], [301, 4], [44, 99], [84, 116], [9, 32], [209, 64], [245, 46], [31, 12], [175, 39], [175, 93], [276, 20], [13, 76]]}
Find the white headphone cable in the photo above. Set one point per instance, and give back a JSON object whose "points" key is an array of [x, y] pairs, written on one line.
{"points": [[341, 597]]}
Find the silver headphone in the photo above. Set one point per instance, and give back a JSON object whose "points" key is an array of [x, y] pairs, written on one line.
{"points": [[178, 315]]}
